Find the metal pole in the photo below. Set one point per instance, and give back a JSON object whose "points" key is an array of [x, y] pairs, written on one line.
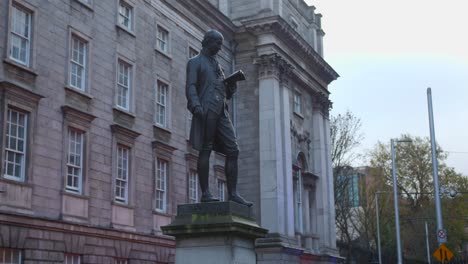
{"points": [[440, 225], [378, 225], [427, 246], [395, 201]]}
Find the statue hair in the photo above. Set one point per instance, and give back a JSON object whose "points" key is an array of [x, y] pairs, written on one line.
{"points": [[211, 35]]}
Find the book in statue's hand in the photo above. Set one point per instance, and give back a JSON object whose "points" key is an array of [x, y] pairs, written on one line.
{"points": [[235, 77]]}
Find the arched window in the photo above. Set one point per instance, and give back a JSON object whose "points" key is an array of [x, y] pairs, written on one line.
{"points": [[298, 186]]}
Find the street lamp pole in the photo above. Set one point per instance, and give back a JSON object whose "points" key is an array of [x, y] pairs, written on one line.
{"points": [[395, 201], [440, 225], [427, 246], [378, 225]]}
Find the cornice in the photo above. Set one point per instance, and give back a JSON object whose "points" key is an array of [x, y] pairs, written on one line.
{"points": [[157, 144], [191, 157], [73, 113], [20, 91], [279, 27], [121, 130], [201, 8]]}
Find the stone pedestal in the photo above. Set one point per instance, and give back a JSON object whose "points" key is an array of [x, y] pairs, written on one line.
{"points": [[213, 233]]}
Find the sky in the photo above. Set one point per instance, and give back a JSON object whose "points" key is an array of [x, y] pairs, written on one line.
{"points": [[387, 54]]}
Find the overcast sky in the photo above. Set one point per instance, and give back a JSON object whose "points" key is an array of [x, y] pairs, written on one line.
{"points": [[387, 54]]}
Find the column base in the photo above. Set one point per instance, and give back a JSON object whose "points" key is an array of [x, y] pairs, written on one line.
{"points": [[280, 249]]}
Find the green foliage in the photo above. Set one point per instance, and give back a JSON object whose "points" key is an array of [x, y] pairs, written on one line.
{"points": [[416, 188]]}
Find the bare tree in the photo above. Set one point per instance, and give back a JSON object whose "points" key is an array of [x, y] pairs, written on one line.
{"points": [[345, 137]]}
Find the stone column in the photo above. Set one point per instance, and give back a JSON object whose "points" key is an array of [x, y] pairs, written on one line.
{"points": [[331, 196], [276, 191], [320, 169]]}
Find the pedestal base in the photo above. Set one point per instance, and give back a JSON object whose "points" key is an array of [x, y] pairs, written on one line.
{"points": [[213, 233]]}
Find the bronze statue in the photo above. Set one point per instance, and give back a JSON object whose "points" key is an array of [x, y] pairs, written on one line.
{"points": [[207, 90]]}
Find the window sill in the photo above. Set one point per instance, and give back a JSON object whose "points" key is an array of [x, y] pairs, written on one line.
{"points": [[165, 129], [123, 111], [88, 6], [165, 54], [121, 204], [11, 181], [299, 115], [75, 194], [78, 92], [128, 31], [166, 214], [20, 66]]}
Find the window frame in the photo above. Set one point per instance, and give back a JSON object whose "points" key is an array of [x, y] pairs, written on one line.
{"points": [[67, 255], [11, 32], [130, 89], [11, 251], [221, 191], [159, 161], [120, 261], [192, 49], [168, 43], [125, 199], [193, 174], [30, 66], [26, 150], [158, 104], [71, 62], [79, 189], [297, 104], [124, 137], [131, 17]]}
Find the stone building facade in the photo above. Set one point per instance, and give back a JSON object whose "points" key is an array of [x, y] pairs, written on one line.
{"points": [[94, 156]]}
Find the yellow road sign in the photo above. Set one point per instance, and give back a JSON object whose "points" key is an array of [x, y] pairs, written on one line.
{"points": [[443, 254]]}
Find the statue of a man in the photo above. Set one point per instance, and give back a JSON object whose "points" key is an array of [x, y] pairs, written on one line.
{"points": [[211, 128]]}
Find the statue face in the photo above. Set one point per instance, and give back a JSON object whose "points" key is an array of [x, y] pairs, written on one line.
{"points": [[215, 44]]}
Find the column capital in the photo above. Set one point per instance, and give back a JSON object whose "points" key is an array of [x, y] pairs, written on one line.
{"points": [[273, 66], [320, 102]]}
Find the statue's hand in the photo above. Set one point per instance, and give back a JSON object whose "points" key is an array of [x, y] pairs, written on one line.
{"points": [[198, 111]]}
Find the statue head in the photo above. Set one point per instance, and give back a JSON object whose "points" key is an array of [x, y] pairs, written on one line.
{"points": [[212, 41]]}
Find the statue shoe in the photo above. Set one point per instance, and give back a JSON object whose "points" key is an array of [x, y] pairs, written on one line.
{"points": [[240, 200], [207, 197]]}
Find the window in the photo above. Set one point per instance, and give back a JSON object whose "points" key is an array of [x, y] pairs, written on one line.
{"points": [[15, 145], [161, 104], [74, 161], [120, 261], [125, 15], [20, 35], [297, 103], [193, 187], [298, 201], [189, 123], [160, 182], [221, 188], [10, 256], [78, 63], [72, 259], [121, 179], [123, 85], [192, 53], [163, 40]]}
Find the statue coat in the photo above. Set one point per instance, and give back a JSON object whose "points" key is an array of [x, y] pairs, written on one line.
{"points": [[201, 73]]}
